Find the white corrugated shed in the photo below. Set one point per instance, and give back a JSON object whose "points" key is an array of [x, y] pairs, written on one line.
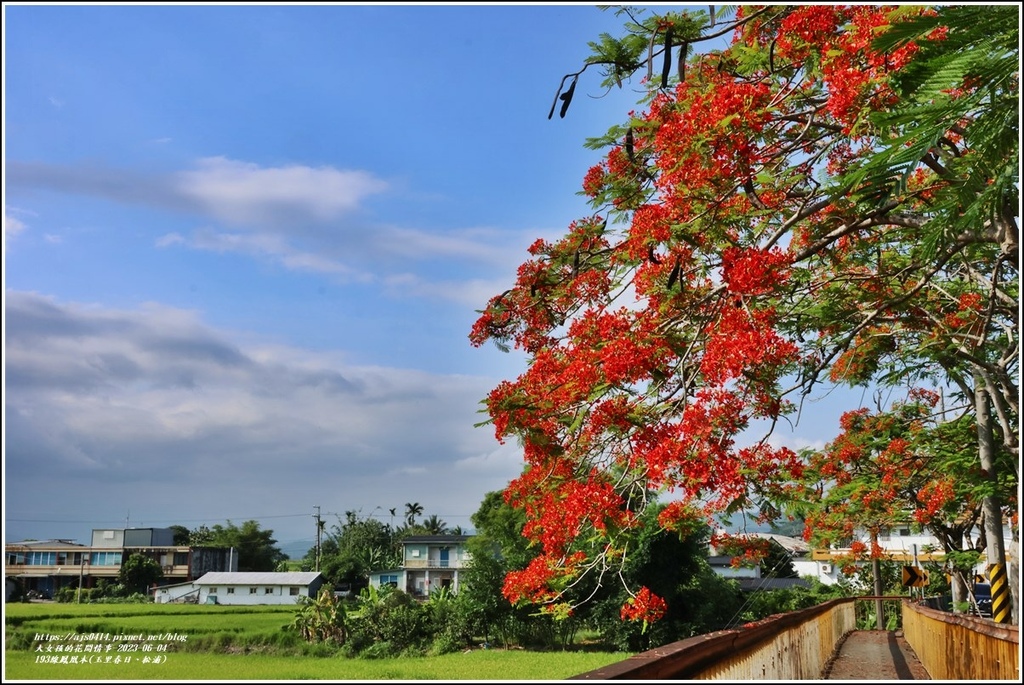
{"points": [[250, 587], [259, 578]]}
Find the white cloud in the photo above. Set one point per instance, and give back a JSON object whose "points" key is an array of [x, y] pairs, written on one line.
{"points": [[12, 226], [270, 246], [303, 218], [245, 193], [107, 407]]}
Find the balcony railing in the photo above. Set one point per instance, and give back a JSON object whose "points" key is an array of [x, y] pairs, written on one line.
{"points": [[434, 563]]}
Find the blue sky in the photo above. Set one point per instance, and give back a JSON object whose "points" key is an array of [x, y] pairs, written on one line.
{"points": [[244, 246]]}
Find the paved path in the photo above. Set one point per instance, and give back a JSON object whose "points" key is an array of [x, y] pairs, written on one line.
{"points": [[875, 655]]}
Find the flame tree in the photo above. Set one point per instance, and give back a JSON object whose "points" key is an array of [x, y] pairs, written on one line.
{"points": [[828, 198]]}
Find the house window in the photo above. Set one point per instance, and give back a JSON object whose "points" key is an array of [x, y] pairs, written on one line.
{"points": [[213, 590], [293, 591], [105, 559], [41, 558], [231, 590], [268, 590], [391, 580], [252, 591]]}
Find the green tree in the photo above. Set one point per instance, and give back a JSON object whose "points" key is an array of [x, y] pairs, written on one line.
{"points": [[201, 536], [257, 549], [432, 525], [321, 619], [353, 549], [182, 535], [778, 562], [139, 572], [675, 568], [412, 510], [497, 548]]}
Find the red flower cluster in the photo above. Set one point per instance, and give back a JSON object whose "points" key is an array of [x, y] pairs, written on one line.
{"points": [[594, 180], [644, 606], [932, 498], [740, 340], [754, 271]]}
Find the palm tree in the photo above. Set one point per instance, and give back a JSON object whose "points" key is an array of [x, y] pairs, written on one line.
{"points": [[434, 526], [412, 510]]}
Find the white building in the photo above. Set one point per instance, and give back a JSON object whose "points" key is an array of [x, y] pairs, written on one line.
{"points": [[900, 544], [244, 588], [429, 562]]}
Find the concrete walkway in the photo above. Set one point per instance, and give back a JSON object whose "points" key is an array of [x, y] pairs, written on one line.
{"points": [[875, 655]]}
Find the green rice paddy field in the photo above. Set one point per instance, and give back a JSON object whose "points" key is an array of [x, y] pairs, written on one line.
{"points": [[210, 643]]}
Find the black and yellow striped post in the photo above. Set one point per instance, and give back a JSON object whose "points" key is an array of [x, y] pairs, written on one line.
{"points": [[1000, 593]]}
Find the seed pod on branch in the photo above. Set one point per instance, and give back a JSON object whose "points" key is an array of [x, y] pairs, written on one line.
{"points": [[566, 98], [667, 64]]}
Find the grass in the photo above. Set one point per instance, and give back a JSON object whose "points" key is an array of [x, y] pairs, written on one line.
{"points": [[475, 665], [246, 643]]}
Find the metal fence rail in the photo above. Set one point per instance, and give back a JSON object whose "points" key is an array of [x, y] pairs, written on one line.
{"points": [[791, 646], [962, 647]]}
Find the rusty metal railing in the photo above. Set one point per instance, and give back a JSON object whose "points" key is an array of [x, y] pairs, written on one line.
{"points": [[962, 647], [791, 646]]}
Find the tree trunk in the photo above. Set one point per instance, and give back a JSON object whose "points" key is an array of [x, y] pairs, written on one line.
{"points": [[995, 554]]}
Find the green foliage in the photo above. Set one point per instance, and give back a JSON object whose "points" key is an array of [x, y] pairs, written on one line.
{"points": [[388, 622], [139, 572], [778, 563], [182, 535], [860, 579], [760, 604], [353, 549], [451, 617], [675, 568], [969, 75], [257, 549], [321, 619]]}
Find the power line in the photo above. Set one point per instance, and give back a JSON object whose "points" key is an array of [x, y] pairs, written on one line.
{"points": [[174, 519]]}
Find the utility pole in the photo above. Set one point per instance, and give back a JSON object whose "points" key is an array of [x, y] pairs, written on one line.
{"points": [[81, 577], [876, 572], [319, 529]]}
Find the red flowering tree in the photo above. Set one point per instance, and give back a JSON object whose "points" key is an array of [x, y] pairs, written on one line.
{"points": [[757, 230], [907, 465]]}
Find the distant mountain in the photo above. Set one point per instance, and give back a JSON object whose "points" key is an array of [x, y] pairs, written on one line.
{"points": [[789, 528], [296, 549]]}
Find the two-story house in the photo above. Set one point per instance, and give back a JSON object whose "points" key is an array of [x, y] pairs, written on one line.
{"points": [[429, 562], [46, 566]]}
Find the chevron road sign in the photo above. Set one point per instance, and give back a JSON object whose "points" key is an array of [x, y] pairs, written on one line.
{"points": [[914, 577]]}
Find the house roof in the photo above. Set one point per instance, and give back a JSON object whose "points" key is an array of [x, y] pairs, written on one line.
{"points": [[790, 544], [45, 544], [435, 539], [258, 578], [168, 587]]}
